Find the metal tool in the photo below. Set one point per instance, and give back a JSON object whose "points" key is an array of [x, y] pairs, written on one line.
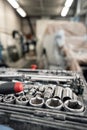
{"points": [[49, 90], [39, 77], [54, 103], [22, 100], [44, 76], [9, 99], [31, 93], [41, 88], [74, 106], [36, 102], [58, 92], [38, 94], [67, 94], [74, 96]]}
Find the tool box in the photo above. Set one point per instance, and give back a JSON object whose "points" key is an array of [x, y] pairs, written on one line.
{"points": [[49, 100]]}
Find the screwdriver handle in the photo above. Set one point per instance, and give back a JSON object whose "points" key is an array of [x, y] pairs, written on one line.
{"points": [[10, 87]]}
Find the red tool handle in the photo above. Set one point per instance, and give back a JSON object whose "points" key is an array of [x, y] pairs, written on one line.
{"points": [[10, 87]]}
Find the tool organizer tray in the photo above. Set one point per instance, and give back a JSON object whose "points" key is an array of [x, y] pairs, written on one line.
{"points": [[51, 99]]}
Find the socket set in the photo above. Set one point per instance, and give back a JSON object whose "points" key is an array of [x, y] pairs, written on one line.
{"points": [[35, 96], [46, 96]]}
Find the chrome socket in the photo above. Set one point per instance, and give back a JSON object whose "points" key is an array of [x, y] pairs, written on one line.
{"points": [[9, 99], [58, 92], [36, 102], [38, 94], [22, 100], [67, 94], [30, 94], [54, 103], [74, 96], [49, 90], [42, 88], [74, 106]]}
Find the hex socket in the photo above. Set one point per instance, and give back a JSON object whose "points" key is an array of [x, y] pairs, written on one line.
{"points": [[67, 94], [9, 99], [22, 100], [36, 102], [58, 92], [54, 103], [74, 106]]}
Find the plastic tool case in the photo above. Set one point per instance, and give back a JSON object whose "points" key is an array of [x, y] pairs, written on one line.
{"points": [[51, 99]]}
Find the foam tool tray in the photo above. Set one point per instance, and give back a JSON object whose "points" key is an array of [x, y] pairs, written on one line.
{"points": [[51, 99]]}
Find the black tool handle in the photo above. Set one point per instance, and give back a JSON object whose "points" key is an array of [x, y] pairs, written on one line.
{"points": [[10, 87]]}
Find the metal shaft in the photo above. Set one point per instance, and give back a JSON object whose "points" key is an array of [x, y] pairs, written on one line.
{"points": [[67, 94], [58, 92], [49, 89]]}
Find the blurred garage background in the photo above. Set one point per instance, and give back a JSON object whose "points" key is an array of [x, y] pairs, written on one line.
{"points": [[44, 34]]}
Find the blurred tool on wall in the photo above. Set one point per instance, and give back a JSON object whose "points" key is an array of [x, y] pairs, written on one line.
{"points": [[31, 44]]}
